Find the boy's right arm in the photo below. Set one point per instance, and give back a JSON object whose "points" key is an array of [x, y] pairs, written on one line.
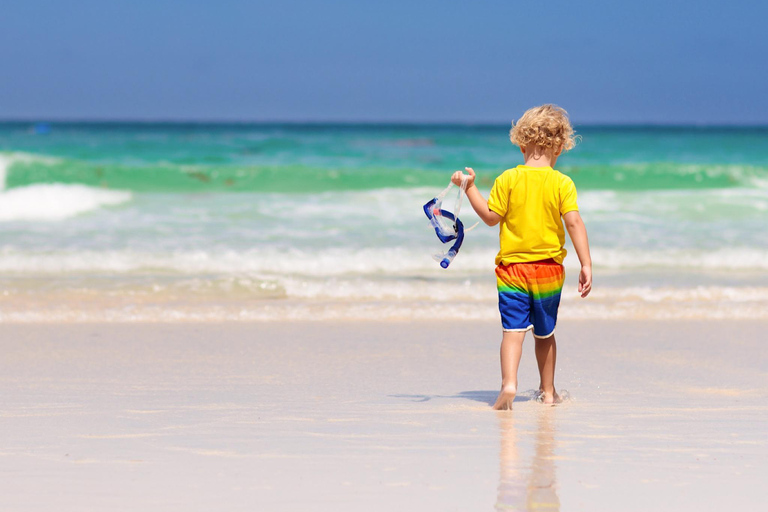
{"points": [[578, 233], [476, 199]]}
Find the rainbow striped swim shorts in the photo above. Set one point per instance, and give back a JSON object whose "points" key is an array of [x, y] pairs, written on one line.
{"points": [[529, 295]]}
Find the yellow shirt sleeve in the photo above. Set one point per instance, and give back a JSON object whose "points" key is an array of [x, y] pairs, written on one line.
{"points": [[499, 198], [567, 196]]}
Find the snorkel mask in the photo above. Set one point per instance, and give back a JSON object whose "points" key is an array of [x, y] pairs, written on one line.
{"points": [[448, 226]]}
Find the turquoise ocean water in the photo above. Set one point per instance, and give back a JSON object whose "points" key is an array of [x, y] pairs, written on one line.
{"points": [[266, 221]]}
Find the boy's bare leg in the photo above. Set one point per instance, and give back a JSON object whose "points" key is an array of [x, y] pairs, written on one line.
{"points": [[511, 351], [546, 357]]}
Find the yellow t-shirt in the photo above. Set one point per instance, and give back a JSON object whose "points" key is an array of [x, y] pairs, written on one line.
{"points": [[532, 201]]}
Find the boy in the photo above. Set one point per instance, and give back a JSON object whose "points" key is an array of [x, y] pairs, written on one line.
{"points": [[530, 202]]}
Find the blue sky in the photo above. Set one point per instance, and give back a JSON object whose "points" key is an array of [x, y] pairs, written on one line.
{"points": [[336, 60]]}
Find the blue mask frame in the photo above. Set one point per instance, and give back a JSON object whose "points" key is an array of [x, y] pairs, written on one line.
{"points": [[432, 210]]}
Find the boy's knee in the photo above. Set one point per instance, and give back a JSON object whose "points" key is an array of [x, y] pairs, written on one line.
{"points": [[549, 340]]}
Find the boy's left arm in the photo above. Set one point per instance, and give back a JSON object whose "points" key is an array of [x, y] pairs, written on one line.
{"points": [[578, 233]]}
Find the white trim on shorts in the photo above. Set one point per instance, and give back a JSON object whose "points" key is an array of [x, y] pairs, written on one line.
{"points": [[524, 329], [546, 335]]}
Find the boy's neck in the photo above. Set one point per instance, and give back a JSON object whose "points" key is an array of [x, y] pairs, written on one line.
{"points": [[539, 157]]}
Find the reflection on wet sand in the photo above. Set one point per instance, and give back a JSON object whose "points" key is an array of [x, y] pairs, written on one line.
{"points": [[527, 486]]}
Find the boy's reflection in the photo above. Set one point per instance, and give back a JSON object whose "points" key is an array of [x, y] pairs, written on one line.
{"points": [[521, 486]]}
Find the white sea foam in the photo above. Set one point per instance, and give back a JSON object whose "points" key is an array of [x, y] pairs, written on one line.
{"points": [[386, 263], [270, 261], [49, 201], [55, 201], [724, 259]]}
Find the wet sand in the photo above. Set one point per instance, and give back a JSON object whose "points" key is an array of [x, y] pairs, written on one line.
{"points": [[380, 416]]}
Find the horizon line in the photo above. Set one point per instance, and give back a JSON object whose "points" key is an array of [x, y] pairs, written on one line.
{"points": [[367, 122]]}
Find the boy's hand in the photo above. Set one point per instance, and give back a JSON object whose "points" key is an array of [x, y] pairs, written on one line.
{"points": [[585, 281], [456, 178]]}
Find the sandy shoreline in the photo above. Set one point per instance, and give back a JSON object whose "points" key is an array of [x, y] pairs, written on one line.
{"points": [[376, 416]]}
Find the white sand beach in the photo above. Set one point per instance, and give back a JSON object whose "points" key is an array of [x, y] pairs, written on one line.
{"points": [[380, 416]]}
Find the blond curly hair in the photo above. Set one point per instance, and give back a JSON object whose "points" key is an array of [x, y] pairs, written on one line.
{"points": [[546, 126]]}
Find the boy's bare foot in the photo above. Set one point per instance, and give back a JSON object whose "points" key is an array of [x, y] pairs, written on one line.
{"points": [[548, 398], [505, 399]]}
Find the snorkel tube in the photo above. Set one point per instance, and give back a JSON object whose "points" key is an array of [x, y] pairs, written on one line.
{"points": [[454, 250]]}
